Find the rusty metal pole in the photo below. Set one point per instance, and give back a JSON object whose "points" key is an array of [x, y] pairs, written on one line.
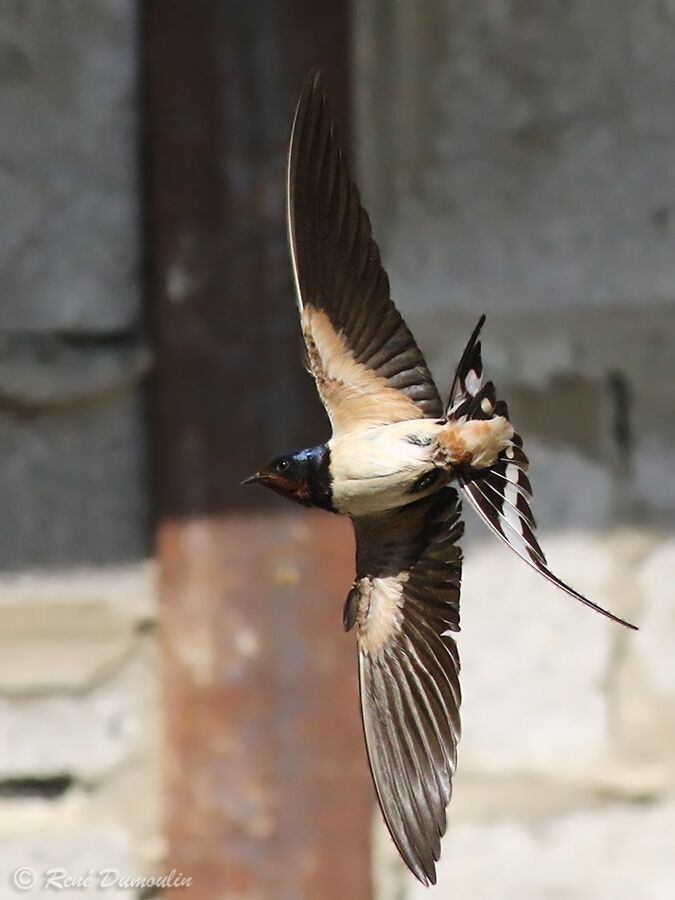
{"points": [[267, 793]]}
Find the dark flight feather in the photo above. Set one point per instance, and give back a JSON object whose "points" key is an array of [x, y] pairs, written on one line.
{"points": [[501, 494], [409, 667], [337, 263], [470, 364]]}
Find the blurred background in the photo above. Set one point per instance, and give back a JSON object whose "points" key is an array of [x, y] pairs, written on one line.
{"points": [[176, 691]]}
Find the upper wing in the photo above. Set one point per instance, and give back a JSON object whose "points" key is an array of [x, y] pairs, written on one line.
{"points": [[501, 494], [405, 604], [364, 359]]}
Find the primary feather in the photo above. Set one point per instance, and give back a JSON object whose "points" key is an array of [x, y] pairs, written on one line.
{"points": [[405, 603], [365, 361]]}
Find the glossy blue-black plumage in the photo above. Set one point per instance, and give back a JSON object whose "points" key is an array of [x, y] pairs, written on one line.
{"points": [[303, 476]]}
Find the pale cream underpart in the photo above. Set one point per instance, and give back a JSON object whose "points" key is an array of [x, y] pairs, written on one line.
{"points": [[380, 611], [354, 396], [374, 468]]}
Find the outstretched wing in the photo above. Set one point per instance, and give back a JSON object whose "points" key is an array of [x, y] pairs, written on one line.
{"points": [[501, 494], [405, 604], [367, 366]]}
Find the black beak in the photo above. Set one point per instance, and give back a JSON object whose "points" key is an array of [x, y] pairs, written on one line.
{"points": [[252, 479]]}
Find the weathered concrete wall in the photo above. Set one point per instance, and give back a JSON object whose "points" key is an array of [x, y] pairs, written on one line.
{"points": [[71, 424], [518, 159], [68, 169], [79, 754]]}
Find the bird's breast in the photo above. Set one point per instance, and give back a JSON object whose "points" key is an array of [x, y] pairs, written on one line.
{"points": [[376, 469]]}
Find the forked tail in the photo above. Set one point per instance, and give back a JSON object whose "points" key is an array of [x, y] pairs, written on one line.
{"points": [[501, 494]]}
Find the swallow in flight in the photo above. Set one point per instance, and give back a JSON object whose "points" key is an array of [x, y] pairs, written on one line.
{"points": [[395, 453]]}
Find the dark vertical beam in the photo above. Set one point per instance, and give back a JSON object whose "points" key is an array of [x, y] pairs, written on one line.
{"points": [[223, 78], [267, 788]]}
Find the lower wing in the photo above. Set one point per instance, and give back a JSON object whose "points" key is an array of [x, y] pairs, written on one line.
{"points": [[405, 604]]}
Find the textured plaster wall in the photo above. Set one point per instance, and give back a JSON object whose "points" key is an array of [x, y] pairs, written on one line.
{"points": [[71, 350], [518, 159], [78, 687]]}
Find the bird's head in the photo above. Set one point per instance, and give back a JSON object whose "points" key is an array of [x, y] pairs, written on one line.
{"points": [[302, 476]]}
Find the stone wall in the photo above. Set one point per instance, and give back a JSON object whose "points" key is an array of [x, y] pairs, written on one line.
{"points": [[518, 159], [79, 752], [79, 725]]}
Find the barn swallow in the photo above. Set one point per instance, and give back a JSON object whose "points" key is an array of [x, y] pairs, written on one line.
{"points": [[396, 463]]}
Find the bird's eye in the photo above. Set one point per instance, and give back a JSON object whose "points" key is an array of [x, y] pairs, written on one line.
{"points": [[281, 465]]}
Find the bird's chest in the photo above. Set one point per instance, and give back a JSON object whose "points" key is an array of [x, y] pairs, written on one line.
{"points": [[377, 469]]}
